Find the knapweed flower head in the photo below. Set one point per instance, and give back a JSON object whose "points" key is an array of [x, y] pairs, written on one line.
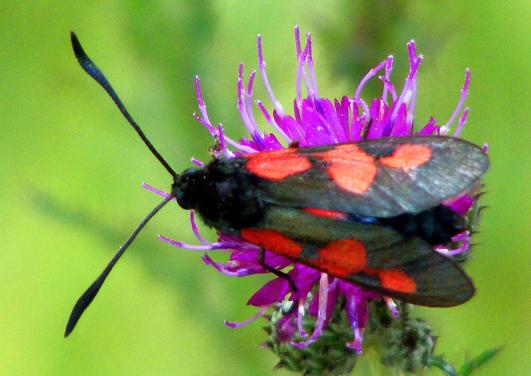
{"points": [[313, 120]]}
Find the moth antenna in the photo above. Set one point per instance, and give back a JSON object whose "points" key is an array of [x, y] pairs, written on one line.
{"points": [[88, 296], [88, 66]]}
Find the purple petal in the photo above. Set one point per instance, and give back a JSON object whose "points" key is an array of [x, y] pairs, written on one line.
{"points": [[265, 80], [429, 129], [358, 314], [462, 97], [461, 122], [300, 317], [461, 204], [195, 230], [391, 306], [237, 325], [356, 344], [370, 75], [230, 269], [464, 245], [333, 292], [203, 247], [304, 278], [286, 327], [400, 127], [321, 316], [197, 162], [273, 291], [155, 190]]}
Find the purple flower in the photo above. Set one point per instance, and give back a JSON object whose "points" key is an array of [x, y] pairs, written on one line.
{"points": [[318, 121]]}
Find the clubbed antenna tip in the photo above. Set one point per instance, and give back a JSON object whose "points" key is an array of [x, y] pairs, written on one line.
{"points": [[93, 71]]}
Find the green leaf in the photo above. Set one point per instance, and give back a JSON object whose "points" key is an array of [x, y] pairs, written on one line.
{"points": [[471, 365], [443, 365]]}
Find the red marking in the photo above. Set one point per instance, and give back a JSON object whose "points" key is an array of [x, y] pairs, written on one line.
{"points": [[397, 280], [351, 168], [341, 257], [330, 214], [408, 156], [370, 271], [272, 241], [277, 165]]}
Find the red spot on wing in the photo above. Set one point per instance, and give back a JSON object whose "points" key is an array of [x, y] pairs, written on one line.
{"points": [[341, 257], [330, 214], [370, 271], [277, 165], [408, 156], [397, 280], [273, 241], [351, 168]]}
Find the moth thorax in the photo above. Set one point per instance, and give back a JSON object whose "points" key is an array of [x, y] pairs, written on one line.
{"points": [[223, 194]]}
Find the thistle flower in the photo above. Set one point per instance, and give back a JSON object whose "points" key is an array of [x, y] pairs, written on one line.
{"points": [[321, 303]]}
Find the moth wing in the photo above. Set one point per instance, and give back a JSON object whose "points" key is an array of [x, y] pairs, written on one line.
{"points": [[371, 256], [381, 178]]}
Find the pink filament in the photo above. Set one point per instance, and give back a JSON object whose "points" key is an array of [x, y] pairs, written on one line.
{"points": [[261, 67], [321, 314], [155, 190], [250, 320], [462, 97]]}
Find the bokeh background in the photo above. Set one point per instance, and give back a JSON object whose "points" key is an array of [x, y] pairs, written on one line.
{"points": [[71, 170]]}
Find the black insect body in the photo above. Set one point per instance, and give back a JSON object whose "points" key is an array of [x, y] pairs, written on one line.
{"points": [[228, 198], [223, 193]]}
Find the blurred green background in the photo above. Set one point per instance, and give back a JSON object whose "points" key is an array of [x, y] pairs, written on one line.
{"points": [[71, 170]]}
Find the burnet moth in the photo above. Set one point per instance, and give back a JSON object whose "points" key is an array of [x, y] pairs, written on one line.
{"points": [[351, 210]]}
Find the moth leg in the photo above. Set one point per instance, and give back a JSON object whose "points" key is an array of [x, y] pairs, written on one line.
{"points": [[278, 273]]}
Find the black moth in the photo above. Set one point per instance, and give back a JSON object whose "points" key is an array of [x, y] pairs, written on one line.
{"points": [[367, 212]]}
